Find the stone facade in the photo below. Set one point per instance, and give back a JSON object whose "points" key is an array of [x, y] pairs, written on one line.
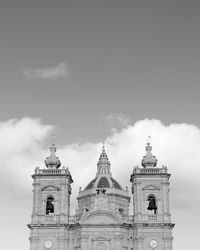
{"points": [[102, 220]]}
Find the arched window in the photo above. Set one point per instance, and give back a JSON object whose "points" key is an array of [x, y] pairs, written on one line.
{"points": [[152, 204], [50, 205], [121, 210]]}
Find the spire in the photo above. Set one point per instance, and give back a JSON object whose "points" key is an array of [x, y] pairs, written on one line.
{"points": [[149, 160], [103, 163], [52, 161], [103, 147]]}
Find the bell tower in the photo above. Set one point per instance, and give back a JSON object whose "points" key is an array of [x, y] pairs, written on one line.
{"points": [[51, 205], [152, 227]]}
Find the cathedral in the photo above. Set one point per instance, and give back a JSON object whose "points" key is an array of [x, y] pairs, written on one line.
{"points": [[101, 220]]}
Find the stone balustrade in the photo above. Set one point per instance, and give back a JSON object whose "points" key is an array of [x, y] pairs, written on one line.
{"points": [[151, 170], [152, 217], [53, 219], [51, 171], [72, 219]]}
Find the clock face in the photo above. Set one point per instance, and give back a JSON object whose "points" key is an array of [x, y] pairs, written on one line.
{"points": [[48, 244], [153, 244]]}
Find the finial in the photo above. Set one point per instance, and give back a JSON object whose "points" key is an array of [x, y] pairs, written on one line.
{"points": [[149, 160], [54, 136], [148, 140], [103, 147], [52, 161], [53, 149], [103, 151]]}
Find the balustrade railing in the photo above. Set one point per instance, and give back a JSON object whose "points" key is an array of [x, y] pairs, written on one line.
{"points": [[152, 217], [52, 218], [50, 171], [151, 170], [72, 219]]}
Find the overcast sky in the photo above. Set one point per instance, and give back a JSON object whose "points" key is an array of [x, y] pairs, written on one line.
{"points": [[89, 71]]}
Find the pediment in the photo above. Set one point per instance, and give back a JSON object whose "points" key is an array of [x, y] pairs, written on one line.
{"points": [[151, 187], [100, 217], [101, 238], [50, 188]]}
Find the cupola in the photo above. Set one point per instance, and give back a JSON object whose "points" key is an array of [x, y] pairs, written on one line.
{"points": [[149, 160], [103, 164], [52, 161], [103, 177]]}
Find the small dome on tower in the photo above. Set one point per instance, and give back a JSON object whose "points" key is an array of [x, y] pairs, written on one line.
{"points": [[149, 160], [52, 161]]}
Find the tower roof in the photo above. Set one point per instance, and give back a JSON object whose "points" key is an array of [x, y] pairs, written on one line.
{"points": [[149, 160], [103, 177], [52, 161]]}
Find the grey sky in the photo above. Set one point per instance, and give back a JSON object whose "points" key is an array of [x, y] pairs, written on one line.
{"points": [[138, 59]]}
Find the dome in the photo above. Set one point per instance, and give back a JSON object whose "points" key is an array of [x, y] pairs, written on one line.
{"points": [[115, 184], [91, 184], [103, 182], [104, 177]]}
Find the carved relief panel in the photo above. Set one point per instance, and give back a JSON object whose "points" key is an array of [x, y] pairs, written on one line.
{"points": [[101, 243], [101, 246]]}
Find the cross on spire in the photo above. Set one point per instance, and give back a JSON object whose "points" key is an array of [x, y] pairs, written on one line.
{"points": [[103, 147], [148, 139]]}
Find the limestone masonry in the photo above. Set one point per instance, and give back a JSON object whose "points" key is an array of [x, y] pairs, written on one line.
{"points": [[101, 220]]}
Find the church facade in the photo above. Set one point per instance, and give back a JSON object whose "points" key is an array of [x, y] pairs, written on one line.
{"points": [[102, 220]]}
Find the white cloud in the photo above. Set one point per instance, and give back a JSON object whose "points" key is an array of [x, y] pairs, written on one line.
{"points": [[22, 148], [50, 73]]}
